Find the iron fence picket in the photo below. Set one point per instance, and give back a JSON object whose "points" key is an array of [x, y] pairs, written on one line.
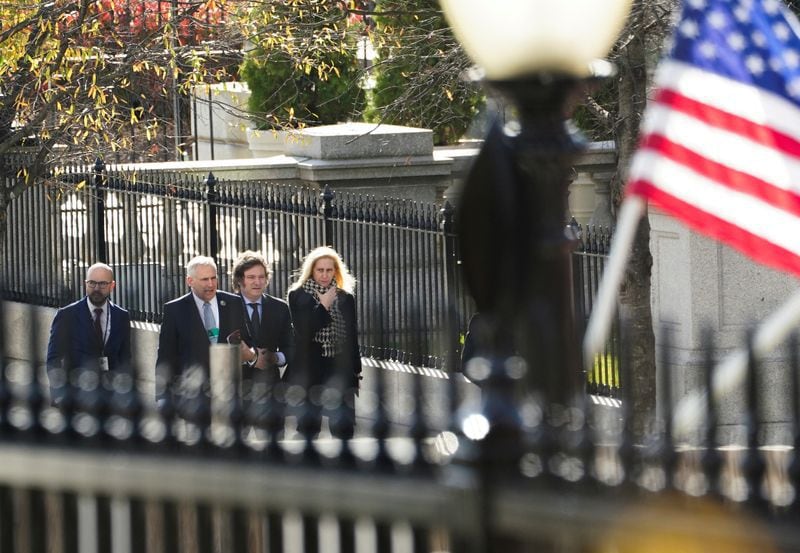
{"points": [[155, 221], [485, 491]]}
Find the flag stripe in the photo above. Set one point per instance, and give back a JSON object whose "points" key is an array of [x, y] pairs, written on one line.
{"points": [[756, 217], [724, 175], [749, 243], [758, 133], [728, 95], [721, 146]]}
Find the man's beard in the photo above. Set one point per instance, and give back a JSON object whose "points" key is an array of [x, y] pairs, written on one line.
{"points": [[97, 298]]}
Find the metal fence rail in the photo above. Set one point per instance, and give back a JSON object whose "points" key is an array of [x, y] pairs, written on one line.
{"points": [[589, 259], [148, 224], [107, 471]]}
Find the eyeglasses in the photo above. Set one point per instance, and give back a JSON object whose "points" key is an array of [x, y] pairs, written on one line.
{"points": [[96, 284]]}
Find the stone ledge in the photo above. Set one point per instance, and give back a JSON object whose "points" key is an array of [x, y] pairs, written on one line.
{"points": [[361, 140]]}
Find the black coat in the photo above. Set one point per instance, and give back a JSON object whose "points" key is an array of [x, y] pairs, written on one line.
{"points": [[275, 332], [183, 340], [73, 343], [308, 317]]}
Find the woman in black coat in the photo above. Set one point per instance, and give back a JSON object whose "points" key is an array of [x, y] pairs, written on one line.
{"points": [[327, 355]]}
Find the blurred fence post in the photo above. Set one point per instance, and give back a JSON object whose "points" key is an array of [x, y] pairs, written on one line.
{"points": [[100, 211], [450, 257], [212, 197], [327, 210]]}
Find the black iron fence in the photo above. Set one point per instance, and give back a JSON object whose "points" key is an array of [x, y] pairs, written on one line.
{"points": [[148, 223], [589, 259], [107, 471]]}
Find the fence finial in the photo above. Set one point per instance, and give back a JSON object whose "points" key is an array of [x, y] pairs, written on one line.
{"points": [[212, 197], [327, 212], [100, 207]]}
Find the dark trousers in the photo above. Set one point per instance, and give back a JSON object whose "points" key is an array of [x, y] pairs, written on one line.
{"points": [[342, 413], [256, 388]]}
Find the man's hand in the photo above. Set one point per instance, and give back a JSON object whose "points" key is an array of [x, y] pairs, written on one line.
{"points": [[266, 359], [246, 353]]}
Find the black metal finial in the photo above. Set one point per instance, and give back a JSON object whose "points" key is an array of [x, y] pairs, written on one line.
{"points": [[212, 198], [711, 460], [418, 430], [794, 379], [6, 428], [380, 427], [265, 414], [753, 465], [669, 457], [626, 451], [327, 213], [308, 425], [125, 408]]}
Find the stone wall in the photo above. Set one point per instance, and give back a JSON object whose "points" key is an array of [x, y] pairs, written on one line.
{"points": [[702, 284], [382, 160]]}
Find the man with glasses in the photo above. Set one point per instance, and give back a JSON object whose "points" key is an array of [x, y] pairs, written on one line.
{"points": [[92, 333]]}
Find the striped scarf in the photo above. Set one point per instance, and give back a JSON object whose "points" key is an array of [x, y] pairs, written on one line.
{"points": [[331, 336]]}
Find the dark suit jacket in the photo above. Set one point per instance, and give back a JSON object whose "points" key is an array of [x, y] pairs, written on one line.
{"points": [[73, 343], [183, 340], [276, 332], [308, 317]]}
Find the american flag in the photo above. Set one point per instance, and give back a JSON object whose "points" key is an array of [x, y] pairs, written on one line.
{"points": [[720, 141]]}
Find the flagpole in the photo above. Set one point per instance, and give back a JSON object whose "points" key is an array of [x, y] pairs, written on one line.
{"points": [[731, 372], [599, 326]]}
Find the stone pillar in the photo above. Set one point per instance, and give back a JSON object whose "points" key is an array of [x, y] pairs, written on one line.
{"points": [[581, 197], [599, 163], [698, 283], [602, 216]]}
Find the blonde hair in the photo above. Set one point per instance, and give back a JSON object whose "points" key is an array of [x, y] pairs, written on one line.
{"points": [[344, 279]]}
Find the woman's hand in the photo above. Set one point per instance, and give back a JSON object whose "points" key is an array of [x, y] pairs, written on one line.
{"points": [[328, 298]]}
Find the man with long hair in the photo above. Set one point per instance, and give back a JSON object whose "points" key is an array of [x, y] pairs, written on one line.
{"points": [[267, 325]]}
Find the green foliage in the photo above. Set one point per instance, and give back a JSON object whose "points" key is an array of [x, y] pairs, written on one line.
{"points": [[93, 79], [594, 116], [282, 95], [419, 75], [304, 67]]}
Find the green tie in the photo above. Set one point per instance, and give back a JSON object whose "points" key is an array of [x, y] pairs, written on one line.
{"points": [[210, 323]]}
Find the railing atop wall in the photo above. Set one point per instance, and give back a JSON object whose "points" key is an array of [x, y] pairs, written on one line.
{"points": [[147, 224], [589, 260], [107, 471]]}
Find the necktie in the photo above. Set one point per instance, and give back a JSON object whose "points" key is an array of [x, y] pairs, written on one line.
{"points": [[255, 321], [210, 323], [98, 328]]}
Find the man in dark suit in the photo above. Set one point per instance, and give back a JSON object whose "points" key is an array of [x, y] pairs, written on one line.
{"points": [[91, 333], [196, 320], [267, 326]]}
